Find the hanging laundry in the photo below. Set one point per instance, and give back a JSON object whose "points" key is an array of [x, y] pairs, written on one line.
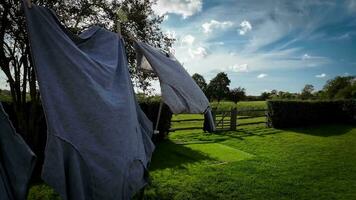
{"points": [[99, 140], [179, 91], [17, 161]]}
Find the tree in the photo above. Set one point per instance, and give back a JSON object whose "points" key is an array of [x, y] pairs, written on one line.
{"points": [[265, 95], [307, 92], [237, 94], [15, 55], [218, 87], [341, 87], [199, 79]]}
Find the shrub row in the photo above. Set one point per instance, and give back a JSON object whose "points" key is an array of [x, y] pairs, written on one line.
{"points": [[283, 114]]}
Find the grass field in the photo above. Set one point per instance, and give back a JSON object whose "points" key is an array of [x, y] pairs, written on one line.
{"points": [[254, 162], [227, 105]]}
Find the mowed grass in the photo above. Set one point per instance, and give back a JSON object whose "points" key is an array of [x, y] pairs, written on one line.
{"points": [[256, 162]]}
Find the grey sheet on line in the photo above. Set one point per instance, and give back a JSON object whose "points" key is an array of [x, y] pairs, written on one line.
{"points": [[99, 140], [17, 161], [179, 91]]}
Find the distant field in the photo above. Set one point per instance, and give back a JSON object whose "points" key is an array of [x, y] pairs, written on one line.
{"points": [[178, 120], [227, 105], [5, 98]]}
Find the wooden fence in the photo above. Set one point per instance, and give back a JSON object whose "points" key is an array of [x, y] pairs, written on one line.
{"points": [[228, 120]]}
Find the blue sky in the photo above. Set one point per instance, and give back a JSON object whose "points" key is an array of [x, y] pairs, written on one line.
{"points": [[264, 45]]}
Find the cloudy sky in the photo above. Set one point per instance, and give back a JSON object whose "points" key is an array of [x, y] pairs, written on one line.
{"points": [[264, 45]]}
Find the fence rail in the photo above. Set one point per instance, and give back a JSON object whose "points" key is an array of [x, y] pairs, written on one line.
{"points": [[227, 120]]}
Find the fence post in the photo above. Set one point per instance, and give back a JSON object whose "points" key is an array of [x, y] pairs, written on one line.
{"points": [[233, 118]]}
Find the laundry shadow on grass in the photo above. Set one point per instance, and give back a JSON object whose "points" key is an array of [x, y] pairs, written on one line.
{"points": [[323, 130], [171, 155], [242, 133]]}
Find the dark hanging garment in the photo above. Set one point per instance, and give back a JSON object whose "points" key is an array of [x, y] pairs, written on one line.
{"points": [[17, 161], [99, 140], [209, 124]]}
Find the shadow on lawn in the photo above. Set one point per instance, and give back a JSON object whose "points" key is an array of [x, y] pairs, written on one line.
{"points": [[242, 133], [323, 130], [171, 155]]}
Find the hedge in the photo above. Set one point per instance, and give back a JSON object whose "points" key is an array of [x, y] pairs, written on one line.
{"points": [[150, 108], [283, 114]]}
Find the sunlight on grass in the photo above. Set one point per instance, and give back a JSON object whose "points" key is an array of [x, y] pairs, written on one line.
{"points": [[220, 152]]}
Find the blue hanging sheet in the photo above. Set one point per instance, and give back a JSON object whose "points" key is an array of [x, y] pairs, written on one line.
{"points": [[99, 140]]}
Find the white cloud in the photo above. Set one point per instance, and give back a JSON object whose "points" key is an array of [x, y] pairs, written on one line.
{"points": [[352, 5], [198, 53], [208, 27], [262, 75], [245, 27], [239, 68], [305, 57], [232, 53], [185, 8], [171, 34], [188, 40], [321, 75], [266, 33], [165, 17]]}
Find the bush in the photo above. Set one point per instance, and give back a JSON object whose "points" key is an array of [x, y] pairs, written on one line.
{"points": [[150, 108], [283, 114], [42, 192]]}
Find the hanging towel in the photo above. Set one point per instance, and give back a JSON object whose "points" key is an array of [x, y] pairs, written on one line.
{"points": [[179, 91], [17, 161], [99, 140]]}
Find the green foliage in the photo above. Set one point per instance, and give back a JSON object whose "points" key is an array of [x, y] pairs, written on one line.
{"points": [[218, 87], [302, 113], [42, 192], [307, 92], [237, 94], [5, 96], [341, 87], [199, 79]]}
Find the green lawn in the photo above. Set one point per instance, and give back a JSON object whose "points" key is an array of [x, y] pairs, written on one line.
{"points": [[256, 163]]}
